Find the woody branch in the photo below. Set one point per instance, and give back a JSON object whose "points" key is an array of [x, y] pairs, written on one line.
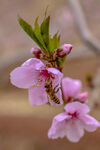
{"points": [[91, 42]]}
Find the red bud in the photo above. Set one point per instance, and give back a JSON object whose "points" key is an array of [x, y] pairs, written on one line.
{"points": [[36, 52]]}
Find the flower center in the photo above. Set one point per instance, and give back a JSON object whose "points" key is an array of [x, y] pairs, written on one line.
{"points": [[73, 115], [68, 99], [45, 74]]}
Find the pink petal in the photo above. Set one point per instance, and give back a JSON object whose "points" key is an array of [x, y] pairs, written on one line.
{"points": [[83, 97], [61, 117], [37, 96], [57, 75], [32, 62], [74, 131], [76, 107], [26, 75], [23, 77], [58, 128], [90, 123], [71, 88]]}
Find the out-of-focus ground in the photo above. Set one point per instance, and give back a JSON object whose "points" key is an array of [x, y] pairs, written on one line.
{"points": [[22, 126]]}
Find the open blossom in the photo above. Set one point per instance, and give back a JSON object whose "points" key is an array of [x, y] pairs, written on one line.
{"points": [[72, 90], [72, 122], [32, 75]]}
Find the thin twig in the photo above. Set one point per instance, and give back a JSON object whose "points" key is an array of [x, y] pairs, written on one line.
{"points": [[82, 27], [91, 42]]}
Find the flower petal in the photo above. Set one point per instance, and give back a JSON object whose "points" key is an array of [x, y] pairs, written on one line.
{"points": [[26, 75], [57, 76], [83, 97], [74, 131], [71, 88], [58, 128], [90, 123], [23, 77], [62, 116], [32, 62], [37, 96], [76, 107]]}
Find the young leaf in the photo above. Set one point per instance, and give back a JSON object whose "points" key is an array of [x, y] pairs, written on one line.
{"points": [[28, 29], [58, 42], [45, 31], [38, 33], [54, 43]]}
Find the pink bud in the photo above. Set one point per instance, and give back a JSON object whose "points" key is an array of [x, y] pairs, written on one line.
{"points": [[67, 48], [64, 50], [60, 53], [83, 97], [36, 52]]}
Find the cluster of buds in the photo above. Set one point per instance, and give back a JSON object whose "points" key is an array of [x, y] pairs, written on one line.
{"points": [[52, 58], [59, 53]]}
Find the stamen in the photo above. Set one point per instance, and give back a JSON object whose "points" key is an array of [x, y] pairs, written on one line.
{"points": [[36, 85], [69, 99], [74, 115], [46, 74]]}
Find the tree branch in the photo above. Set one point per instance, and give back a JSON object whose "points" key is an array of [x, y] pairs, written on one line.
{"points": [[95, 91], [93, 44], [82, 27]]}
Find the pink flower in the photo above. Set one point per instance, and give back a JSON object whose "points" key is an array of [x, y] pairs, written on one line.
{"points": [[32, 75], [73, 122], [72, 90]]}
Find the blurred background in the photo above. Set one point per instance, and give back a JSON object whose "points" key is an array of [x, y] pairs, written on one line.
{"points": [[22, 126]]}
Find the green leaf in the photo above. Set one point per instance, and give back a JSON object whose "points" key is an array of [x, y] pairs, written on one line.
{"points": [[54, 42], [37, 32], [58, 42], [45, 31], [40, 35], [28, 29]]}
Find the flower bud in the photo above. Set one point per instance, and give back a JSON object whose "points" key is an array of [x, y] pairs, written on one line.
{"points": [[36, 52], [60, 53], [64, 50], [67, 48], [83, 97]]}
